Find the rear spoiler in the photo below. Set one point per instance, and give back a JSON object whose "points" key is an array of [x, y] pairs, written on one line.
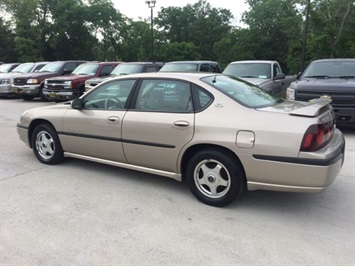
{"points": [[313, 108]]}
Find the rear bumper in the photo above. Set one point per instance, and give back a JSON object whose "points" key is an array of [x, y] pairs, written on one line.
{"points": [[311, 172]]}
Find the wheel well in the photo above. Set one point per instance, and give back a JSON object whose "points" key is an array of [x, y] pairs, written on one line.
{"points": [[190, 152], [32, 127]]}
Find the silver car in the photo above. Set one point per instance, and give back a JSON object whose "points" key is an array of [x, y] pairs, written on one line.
{"points": [[221, 134]]}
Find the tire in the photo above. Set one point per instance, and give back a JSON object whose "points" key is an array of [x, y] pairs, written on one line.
{"points": [[42, 96], [215, 178], [27, 98], [46, 145]]}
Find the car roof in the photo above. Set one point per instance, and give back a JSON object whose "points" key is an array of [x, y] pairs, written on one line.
{"points": [[254, 61], [142, 63], [170, 75], [335, 60], [192, 61]]}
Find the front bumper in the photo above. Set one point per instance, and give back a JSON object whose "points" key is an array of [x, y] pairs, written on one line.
{"points": [[311, 172], [30, 90], [6, 90], [61, 95]]}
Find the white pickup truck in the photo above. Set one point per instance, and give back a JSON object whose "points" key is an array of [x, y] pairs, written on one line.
{"points": [[266, 74]]}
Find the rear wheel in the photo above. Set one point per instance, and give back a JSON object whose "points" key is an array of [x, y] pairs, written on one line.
{"points": [[215, 178], [46, 145]]}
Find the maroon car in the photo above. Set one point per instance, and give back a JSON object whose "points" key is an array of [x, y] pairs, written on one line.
{"points": [[73, 86]]}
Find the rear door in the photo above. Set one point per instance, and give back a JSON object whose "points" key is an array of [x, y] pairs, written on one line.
{"points": [[160, 123]]}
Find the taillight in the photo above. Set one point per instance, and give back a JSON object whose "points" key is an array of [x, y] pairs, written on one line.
{"points": [[317, 136]]}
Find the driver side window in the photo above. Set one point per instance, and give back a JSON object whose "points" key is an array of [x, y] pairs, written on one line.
{"points": [[110, 96]]}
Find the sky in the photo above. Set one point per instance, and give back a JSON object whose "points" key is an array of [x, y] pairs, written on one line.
{"points": [[136, 9]]}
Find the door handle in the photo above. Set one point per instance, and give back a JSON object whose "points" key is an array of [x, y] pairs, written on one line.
{"points": [[181, 123], [113, 119]]}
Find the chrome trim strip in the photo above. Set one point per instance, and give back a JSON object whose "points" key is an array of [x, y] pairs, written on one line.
{"points": [[264, 186], [172, 175]]}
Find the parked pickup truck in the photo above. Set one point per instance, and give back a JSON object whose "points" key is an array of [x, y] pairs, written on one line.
{"points": [[125, 69], [73, 86], [29, 86], [329, 78], [7, 79], [265, 74]]}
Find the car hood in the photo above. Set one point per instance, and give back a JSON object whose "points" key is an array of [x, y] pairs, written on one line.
{"points": [[39, 75], [310, 109], [325, 84], [71, 77], [9, 75]]}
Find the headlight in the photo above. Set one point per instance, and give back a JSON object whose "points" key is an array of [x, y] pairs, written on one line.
{"points": [[290, 94], [4, 81], [32, 81], [67, 84], [45, 82]]}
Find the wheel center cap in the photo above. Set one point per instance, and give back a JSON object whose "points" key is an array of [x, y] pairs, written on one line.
{"points": [[211, 178]]}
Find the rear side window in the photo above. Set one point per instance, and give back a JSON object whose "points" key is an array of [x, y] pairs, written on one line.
{"points": [[202, 98]]}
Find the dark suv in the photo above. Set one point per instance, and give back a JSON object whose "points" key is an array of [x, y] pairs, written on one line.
{"points": [[29, 86], [191, 66], [125, 69]]}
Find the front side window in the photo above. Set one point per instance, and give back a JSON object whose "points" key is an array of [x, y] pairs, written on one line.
{"points": [[110, 96], [242, 92], [164, 96]]}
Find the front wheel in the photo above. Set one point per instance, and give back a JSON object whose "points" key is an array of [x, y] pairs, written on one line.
{"points": [[215, 178], [46, 145]]}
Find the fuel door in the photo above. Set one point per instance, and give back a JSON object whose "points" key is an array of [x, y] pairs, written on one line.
{"points": [[245, 139]]}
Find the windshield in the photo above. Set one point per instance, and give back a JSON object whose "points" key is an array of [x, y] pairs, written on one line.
{"points": [[86, 69], [179, 67], [249, 70], [241, 91], [23, 68], [330, 69], [124, 69], [5, 68], [52, 67]]}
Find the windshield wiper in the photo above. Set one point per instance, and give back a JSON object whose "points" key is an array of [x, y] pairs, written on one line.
{"points": [[247, 76], [346, 77], [319, 77]]}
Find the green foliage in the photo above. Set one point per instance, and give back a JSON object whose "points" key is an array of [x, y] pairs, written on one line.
{"points": [[32, 30]]}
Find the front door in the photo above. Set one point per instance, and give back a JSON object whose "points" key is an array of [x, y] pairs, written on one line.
{"points": [[95, 130]]}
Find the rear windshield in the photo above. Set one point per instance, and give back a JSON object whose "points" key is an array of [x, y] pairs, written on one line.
{"points": [[179, 67], [241, 91]]}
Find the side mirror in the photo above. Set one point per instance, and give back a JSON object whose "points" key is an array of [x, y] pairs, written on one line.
{"points": [[77, 104], [280, 76], [67, 71]]}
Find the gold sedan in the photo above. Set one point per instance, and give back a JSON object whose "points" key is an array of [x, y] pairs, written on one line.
{"points": [[221, 134]]}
